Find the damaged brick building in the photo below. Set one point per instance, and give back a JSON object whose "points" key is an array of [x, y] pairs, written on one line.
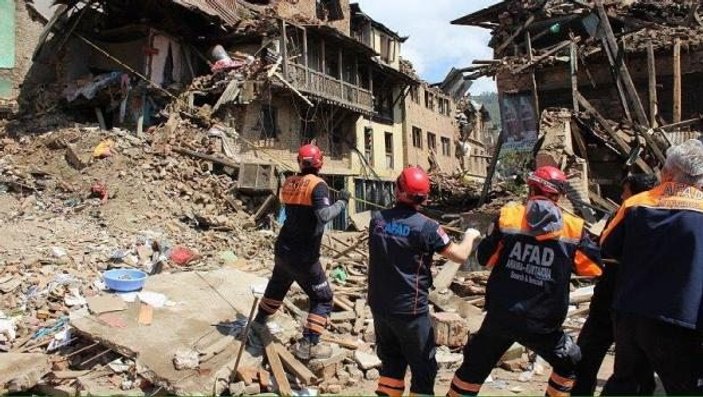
{"points": [[627, 73], [265, 76]]}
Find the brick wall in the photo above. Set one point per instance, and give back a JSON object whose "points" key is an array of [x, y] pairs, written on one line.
{"points": [[430, 121]]}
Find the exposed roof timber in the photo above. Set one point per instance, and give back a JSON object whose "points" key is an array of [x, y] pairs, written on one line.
{"points": [[357, 13], [224, 10], [346, 41], [396, 74], [486, 15]]}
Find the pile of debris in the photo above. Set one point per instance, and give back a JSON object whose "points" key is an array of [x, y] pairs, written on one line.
{"points": [[82, 336]]}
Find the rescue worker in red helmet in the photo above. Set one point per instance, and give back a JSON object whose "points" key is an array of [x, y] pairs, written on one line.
{"points": [[532, 250], [297, 251], [401, 245]]}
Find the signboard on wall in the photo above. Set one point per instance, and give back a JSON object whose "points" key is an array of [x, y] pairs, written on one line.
{"points": [[519, 123]]}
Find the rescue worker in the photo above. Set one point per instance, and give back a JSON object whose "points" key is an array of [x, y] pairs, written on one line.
{"points": [[297, 251], [596, 336], [657, 239], [532, 250], [401, 245]]}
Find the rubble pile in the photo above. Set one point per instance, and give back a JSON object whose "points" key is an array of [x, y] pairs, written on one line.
{"points": [[454, 191], [61, 307]]}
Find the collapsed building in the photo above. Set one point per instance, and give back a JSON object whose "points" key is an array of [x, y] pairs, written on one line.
{"points": [[603, 89], [266, 77]]}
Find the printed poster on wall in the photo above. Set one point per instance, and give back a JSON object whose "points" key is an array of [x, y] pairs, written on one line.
{"points": [[519, 123]]}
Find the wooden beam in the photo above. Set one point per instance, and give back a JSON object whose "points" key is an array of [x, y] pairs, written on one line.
{"points": [[487, 62], [621, 144], [340, 68], [284, 47], [213, 159], [370, 80], [491, 170], [618, 81], [323, 60], [574, 75], [684, 123], [296, 367], [652, 71], [306, 55], [546, 55], [624, 72], [580, 143], [533, 75], [511, 39], [357, 76], [677, 80], [279, 373]]}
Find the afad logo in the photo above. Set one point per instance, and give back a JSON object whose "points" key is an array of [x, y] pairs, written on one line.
{"points": [[397, 229]]}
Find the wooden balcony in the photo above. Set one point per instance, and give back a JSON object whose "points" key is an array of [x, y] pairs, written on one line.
{"points": [[329, 88]]}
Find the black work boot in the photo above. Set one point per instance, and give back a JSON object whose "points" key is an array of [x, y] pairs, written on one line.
{"points": [[307, 350]]}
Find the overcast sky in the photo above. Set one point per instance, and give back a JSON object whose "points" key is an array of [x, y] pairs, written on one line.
{"points": [[435, 45]]}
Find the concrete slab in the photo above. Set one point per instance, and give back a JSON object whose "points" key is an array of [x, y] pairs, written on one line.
{"points": [[21, 371], [202, 300]]}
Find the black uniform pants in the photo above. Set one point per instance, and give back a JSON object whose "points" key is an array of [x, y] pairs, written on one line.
{"points": [[312, 279], [491, 342], [403, 341], [595, 339], [673, 352]]}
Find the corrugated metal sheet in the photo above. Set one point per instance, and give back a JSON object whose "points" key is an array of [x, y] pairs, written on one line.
{"points": [[680, 137], [226, 10]]}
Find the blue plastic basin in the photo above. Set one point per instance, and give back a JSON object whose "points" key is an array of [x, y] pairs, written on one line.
{"points": [[125, 280]]}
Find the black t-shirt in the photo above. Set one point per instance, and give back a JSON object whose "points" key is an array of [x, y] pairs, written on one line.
{"points": [[401, 245]]}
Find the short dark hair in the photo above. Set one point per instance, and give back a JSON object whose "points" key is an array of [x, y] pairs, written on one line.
{"points": [[640, 183]]}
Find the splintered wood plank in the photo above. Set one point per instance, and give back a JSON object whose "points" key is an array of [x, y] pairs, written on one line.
{"points": [[279, 373], [296, 367]]}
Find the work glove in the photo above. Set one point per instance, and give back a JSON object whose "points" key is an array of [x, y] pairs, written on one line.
{"points": [[344, 195], [472, 233]]}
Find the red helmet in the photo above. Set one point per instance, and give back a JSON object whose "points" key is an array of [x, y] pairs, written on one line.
{"points": [[548, 179], [413, 186], [310, 156]]}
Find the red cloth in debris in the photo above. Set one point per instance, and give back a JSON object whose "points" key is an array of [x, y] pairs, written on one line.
{"points": [[99, 190], [182, 256], [226, 64]]}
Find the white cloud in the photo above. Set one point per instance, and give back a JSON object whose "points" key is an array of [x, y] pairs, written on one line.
{"points": [[435, 45]]}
